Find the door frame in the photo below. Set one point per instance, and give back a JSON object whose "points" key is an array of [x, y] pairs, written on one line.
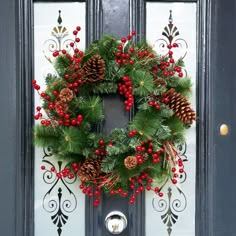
{"points": [[24, 163]]}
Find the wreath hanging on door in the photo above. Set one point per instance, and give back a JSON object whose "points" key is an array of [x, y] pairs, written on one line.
{"points": [[139, 157]]}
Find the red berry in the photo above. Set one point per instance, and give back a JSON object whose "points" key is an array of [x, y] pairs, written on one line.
{"points": [[160, 194], [67, 116], [43, 167], [165, 73], [157, 106], [129, 37], [112, 192], [78, 28], [123, 40], [133, 32], [174, 181], [118, 54], [75, 32], [170, 53], [166, 100], [131, 50], [149, 180], [148, 188], [156, 189], [172, 60], [125, 194], [173, 169], [66, 76], [131, 202], [175, 45], [120, 190], [141, 188], [180, 74], [151, 55], [181, 170], [120, 47], [72, 44], [131, 186], [169, 46], [101, 141], [176, 175]]}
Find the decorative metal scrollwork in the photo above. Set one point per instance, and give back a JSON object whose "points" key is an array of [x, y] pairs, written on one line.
{"points": [[58, 41], [171, 36], [59, 200]]}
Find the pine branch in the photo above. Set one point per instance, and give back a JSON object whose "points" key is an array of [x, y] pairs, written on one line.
{"points": [[45, 136], [61, 64], [142, 82]]}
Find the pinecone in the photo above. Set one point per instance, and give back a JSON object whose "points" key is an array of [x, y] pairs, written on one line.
{"points": [[66, 95], [181, 107], [90, 169], [130, 162], [160, 81], [94, 69]]}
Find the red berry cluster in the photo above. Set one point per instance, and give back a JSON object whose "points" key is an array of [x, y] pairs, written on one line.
{"points": [[67, 121], [101, 150], [168, 67], [66, 172], [59, 108], [132, 133], [74, 73], [92, 191], [138, 183], [35, 85], [121, 57], [126, 89], [154, 102], [145, 149]]}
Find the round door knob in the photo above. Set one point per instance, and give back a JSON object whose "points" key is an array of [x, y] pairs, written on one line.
{"points": [[116, 222]]}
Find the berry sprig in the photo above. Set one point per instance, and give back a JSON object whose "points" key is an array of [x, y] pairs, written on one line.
{"points": [[123, 58], [126, 89]]}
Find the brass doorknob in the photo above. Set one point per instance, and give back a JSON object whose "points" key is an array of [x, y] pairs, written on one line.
{"points": [[116, 222], [224, 129]]}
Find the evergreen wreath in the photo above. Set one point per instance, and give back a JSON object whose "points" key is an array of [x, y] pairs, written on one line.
{"points": [[131, 159]]}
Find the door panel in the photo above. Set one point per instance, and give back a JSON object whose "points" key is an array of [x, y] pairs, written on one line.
{"points": [[59, 204], [174, 214]]}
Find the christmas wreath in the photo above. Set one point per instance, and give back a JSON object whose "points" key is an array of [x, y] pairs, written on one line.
{"points": [[131, 159]]}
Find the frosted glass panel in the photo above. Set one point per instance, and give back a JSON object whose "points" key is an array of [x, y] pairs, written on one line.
{"points": [[59, 203], [174, 213]]}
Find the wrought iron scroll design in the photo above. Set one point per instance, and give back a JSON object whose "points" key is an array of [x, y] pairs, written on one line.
{"points": [[58, 41], [54, 200], [175, 200], [171, 35]]}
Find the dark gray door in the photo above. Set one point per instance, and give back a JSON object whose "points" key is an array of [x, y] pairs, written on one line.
{"points": [[216, 160]]}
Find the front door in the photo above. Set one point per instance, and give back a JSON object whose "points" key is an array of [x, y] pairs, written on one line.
{"points": [[44, 205]]}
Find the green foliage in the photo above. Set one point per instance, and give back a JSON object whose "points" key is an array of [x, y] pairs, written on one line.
{"points": [[142, 82], [72, 140], [45, 136], [92, 109], [61, 65], [146, 123]]}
